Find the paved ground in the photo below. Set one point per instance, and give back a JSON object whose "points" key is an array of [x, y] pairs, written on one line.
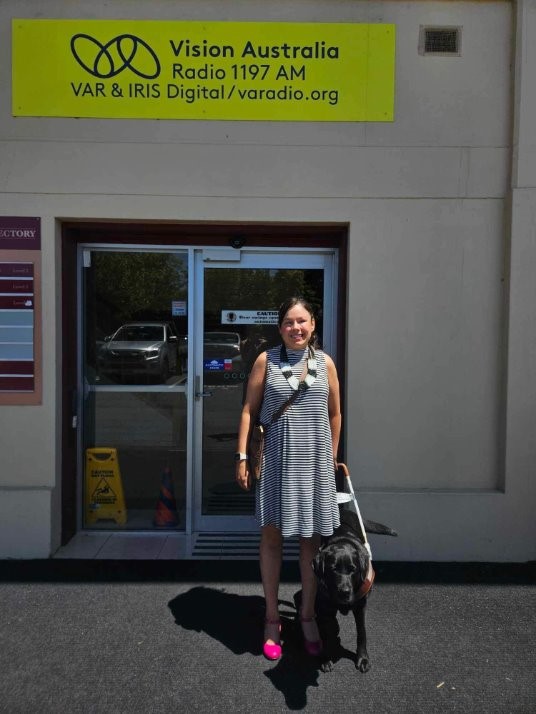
{"points": [[88, 637]]}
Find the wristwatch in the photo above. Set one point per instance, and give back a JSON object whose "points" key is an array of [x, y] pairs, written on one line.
{"points": [[239, 456]]}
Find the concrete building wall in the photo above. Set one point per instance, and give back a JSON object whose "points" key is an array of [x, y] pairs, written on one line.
{"points": [[440, 324]]}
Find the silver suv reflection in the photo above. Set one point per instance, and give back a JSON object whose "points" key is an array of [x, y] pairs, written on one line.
{"points": [[140, 348]]}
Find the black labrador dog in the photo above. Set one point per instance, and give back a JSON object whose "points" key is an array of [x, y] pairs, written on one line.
{"points": [[345, 575]]}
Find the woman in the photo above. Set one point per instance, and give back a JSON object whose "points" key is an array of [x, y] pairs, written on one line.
{"points": [[296, 493]]}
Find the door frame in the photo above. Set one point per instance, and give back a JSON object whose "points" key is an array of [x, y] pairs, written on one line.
{"points": [[181, 236], [325, 259]]}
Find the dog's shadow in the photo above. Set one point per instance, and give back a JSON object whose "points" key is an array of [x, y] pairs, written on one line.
{"points": [[237, 622]]}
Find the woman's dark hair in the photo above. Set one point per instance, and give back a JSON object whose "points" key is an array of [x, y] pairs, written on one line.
{"points": [[288, 305]]}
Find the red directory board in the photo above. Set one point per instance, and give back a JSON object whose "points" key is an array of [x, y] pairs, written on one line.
{"points": [[17, 358], [20, 311]]}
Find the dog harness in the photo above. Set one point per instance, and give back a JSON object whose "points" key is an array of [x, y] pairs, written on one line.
{"points": [[344, 468], [366, 585]]}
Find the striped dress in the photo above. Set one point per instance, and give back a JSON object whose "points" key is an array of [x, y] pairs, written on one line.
{"points": [[296, 491]]}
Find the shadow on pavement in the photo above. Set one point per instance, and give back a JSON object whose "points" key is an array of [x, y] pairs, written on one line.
{"points": [[236, 621]]}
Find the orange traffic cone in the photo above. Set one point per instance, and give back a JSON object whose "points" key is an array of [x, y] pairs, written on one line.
{"points": [[166, 508]]}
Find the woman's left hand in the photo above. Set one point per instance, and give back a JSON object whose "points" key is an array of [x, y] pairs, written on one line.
{"points": [[243, 477]]}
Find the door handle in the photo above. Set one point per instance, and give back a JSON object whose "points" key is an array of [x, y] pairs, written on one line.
{"points": [[198, 393], [74, 408]]}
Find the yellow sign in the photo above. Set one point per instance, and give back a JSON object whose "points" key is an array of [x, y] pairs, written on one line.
{"points": [[133, 69], [104, 498]]}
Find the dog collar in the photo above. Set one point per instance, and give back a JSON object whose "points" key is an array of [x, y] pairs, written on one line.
{"points": [[366, 585]]}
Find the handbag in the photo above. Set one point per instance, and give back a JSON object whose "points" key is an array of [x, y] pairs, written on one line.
{"points": [[256, 450]]}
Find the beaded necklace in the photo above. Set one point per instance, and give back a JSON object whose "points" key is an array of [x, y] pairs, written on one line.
{"points": [[287, 370]]}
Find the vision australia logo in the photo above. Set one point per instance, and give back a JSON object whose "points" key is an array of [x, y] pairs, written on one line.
{"points": [[123, 52]]}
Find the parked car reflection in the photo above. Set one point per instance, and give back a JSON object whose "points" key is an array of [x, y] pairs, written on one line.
{"points": [[140, 349], [222, 357], [222, 345]]}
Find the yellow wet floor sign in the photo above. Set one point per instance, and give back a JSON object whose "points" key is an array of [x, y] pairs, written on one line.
{"points": [[103, 498]]}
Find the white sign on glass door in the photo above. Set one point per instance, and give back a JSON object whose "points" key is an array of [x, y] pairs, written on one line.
{"points": [[249, 317]]}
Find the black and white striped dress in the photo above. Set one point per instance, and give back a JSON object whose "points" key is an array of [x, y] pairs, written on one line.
{"points": [[296, 491]]}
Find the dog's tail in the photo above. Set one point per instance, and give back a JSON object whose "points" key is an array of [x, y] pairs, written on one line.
{"points": [[378, 528]]}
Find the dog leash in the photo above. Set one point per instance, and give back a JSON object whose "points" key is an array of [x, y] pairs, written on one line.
{"points": [[344, 469]]}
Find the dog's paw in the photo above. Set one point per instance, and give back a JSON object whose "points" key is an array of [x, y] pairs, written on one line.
{"points": [[363, 664], [326, 665]]}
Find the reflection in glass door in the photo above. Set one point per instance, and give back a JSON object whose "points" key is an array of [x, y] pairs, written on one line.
{"points": [[239, 321], [133, 375], [145, 321]]}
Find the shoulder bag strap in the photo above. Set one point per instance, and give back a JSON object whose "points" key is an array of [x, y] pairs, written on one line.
{"points": [[283, 407], [291, 399]]}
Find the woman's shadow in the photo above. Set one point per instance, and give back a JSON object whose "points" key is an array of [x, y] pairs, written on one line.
{"points": [[237, 622], [231, 619]]}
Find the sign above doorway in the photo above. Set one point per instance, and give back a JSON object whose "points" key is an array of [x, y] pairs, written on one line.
{"points": [[254, 71]]}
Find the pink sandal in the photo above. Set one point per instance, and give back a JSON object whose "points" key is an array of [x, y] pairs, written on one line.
{"points": [[272, 650], [313, 648]]}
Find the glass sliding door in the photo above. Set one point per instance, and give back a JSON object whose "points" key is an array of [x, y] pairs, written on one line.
{"points": [[133, 381], [239, 319]]}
